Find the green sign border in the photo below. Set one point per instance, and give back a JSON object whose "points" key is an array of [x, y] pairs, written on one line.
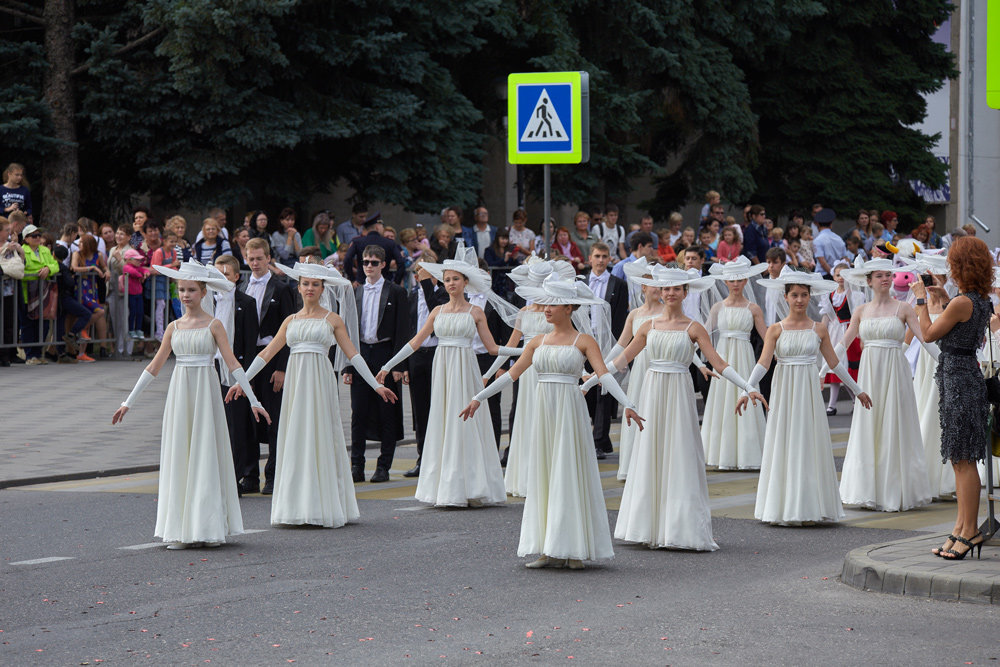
{"points": [[576, 154], [993, 53]]}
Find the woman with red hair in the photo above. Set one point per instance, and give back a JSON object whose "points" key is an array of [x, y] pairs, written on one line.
{"points": [[964, 407]]}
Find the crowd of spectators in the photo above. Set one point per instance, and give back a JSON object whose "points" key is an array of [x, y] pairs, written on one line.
{"points": [[94, 285]]}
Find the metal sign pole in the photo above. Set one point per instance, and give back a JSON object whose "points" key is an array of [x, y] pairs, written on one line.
{"points": [[547, 208]]}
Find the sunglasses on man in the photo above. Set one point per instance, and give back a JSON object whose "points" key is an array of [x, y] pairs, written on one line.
{"points": [[371, 262]]}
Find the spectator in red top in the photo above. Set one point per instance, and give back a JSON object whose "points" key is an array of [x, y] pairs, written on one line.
{"points": [[565, 246], [729, 247], [665, 252]]}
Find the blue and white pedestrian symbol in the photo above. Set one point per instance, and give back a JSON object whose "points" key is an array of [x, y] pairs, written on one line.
{"points": [[548, 120]]}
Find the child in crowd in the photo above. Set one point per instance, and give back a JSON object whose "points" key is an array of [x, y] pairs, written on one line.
{"points": [[807, 260], [69, 307], [773, 299], [792, 253], [854, 248], [137, 274], [165, 255], [777, 238], [730, 246], [9, 249], [665, 251], [311, 254], [705, 238]]}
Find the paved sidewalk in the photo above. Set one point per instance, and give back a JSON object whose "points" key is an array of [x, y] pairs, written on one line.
{"points": [[58, 420], [907, 567]]}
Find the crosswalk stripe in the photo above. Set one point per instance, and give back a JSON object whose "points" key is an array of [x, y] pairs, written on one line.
{"points": [[39, 561]]}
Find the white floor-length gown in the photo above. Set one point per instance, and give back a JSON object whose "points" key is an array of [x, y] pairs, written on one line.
{"points": [[564, 511], [732, 442], [637, 376], [940, 476], [312, 479], [532, 323], [798, 477], [884, 466], [197, 499], [460, 461], [665, 501]]}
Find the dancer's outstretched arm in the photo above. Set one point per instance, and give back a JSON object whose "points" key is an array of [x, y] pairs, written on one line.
{"points": [[148, 374], [357, 361]]}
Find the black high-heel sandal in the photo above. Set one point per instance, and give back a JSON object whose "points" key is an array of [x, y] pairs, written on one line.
{"points": [[954, 555], [979, 544], [937, 551]]}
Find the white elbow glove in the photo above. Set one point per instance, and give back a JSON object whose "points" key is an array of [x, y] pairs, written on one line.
{"points": [[500, 361], [594, 379], [510, 351], [244, 381], [730, 374], [696, 359], [841, 352], [361, 368], [933, 350], [140, 385], [845, 377], [612, 387], [256, 366], [756, 375], [495, 388], [401, 356]]}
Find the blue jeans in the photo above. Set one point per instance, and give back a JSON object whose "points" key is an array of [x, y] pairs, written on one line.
{"points": [[135, 312]]}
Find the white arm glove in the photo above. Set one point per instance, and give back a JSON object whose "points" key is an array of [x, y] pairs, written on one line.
{"points": [[510, 351], [696, 360], [613, 354], [244, 381], [361, 368], [730, 374], [140, 384], [256, 366], [756, 375], [403, 354], [841, 353], [494, 388], [932, 349], [592, 382], [500, 361], [845, 377], [611, 385]]}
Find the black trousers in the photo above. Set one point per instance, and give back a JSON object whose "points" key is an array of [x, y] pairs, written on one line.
{"points": [[370, 414], [765, 382], [271, 400], [242, 436], [421, 363], [485, 361], [7, 335], [602, 409]]}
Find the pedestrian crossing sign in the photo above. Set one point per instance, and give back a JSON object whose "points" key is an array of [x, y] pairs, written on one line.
{"points": [[548, 118]]}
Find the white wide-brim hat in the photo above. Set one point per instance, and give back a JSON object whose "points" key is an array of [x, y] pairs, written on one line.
{"points": [[329, 275], [558, 291], [789, 276], [198, 272], [465, 262], [738, 269], [534, 273], [637, 268], [928, 263], [858, 275], [663, 276]]}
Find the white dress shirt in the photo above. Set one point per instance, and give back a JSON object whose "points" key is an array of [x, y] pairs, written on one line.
{"points": [[423, 312], [599, 286], [692, 306], [256, 288], [369, 310]]}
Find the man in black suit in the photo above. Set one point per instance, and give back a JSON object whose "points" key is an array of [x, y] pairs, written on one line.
{"points": [[614, 290], [373, 236], [238, 313], [275, 302], [384, 327], [424, 298]]}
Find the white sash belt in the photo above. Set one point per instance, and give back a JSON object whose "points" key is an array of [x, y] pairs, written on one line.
{"points": [[883, 342], [739, 335], [806, 360], [308, 347], [662, 366], [558, 378], [454, 341], [186, 360]]}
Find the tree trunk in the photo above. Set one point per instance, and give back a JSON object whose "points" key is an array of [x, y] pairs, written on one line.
{"points": [[61, 167]]}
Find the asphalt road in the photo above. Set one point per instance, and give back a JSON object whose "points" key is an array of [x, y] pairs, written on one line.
{"points": [[411, 584]]}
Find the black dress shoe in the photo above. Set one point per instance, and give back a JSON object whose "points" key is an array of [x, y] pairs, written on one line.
{"points": [[358, 473], [381, 475], [248, 486], [413, 472], [268, 488], [601, 455], [831, 412]]}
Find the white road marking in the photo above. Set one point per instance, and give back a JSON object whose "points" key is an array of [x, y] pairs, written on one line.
{"points": [[148, 545], [416, 508], [39, 561], [248, 531]]}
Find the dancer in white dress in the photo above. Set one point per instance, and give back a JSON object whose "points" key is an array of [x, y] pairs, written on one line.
{"points": [[731, 442], [460, 466], [798, 477], [312, 483], [565, 518], [197, 502], [530, 323], [665, 501], [884, 468], [940, 476]]}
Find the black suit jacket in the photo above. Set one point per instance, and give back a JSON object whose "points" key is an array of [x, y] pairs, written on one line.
{"points": [[617, 295], [393, 317], [245, 335], [352, 260], [279, 303], [434, 295]]}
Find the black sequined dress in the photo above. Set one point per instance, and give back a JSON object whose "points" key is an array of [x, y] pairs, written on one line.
{"points": [[964, 409]]}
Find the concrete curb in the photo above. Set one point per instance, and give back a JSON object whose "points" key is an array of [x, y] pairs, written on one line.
{"points": [[71, 476], [929, 580]]}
